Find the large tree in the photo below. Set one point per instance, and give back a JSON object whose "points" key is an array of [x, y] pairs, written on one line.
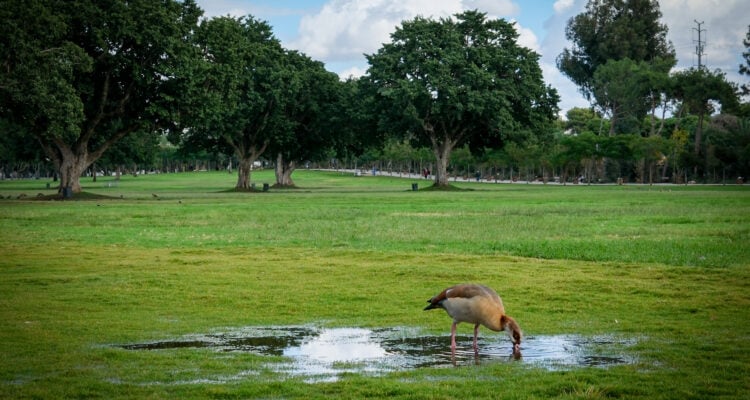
{"points": [[627, 90], [613, 30], [699, 89], [240, 92], [463, 80], [310, 109], [79, 76], [619, 88]]}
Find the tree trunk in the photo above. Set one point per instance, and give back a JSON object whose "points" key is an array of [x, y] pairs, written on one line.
{"points": [[663, 118], [650, 173], [442, 150], [652, 132], [246, 158], [284, 171], [613, 108], [244, 167], [71, 166], [72, 160], [699, 134]]}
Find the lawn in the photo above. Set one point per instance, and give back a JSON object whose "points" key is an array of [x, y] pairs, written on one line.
{"points": [[162, 257]]}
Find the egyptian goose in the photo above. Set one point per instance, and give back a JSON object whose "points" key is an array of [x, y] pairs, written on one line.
{"points": [[476, 304]]}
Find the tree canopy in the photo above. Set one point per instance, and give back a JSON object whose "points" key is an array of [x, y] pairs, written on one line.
{"points": [[311, 102], [627, 89], [80, 76], [697, 88], [238, 89], [613, 30], [462, 80]]}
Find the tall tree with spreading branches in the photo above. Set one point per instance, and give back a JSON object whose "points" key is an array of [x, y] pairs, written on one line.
{"points": [[239, 97], [311, 101], [457, 81], [79, 76], [613, 30]]}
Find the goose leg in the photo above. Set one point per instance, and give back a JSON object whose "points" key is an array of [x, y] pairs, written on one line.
{"points": [[453, 338], [476, 333]]}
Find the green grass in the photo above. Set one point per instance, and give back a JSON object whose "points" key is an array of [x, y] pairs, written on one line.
{"points": [[665, 264]]}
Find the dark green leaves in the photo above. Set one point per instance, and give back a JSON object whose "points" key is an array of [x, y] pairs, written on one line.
{"points": [[612, 30], [81, 75], [460, 77], [462, 80]]}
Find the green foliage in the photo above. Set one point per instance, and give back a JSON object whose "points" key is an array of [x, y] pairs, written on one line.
{"points": [[745, 68], [239, 90], [85, 74], [139, 148], [460, 81], [580, 120], [41, 62], [628, 89], [697, 88], [355, 121], [15, 148], [311, 108], [728, 144], [613, 30]]}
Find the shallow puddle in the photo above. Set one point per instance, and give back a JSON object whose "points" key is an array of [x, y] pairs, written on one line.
{"points": [[324, 354]]}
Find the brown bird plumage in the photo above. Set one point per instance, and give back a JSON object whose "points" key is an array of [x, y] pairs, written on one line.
{"points": [[478, 305]]}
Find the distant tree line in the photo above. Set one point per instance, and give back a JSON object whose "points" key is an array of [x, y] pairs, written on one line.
{"points": [[129, 86]]}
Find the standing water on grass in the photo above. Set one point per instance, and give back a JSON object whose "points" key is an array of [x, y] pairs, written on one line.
{"points": [[324, 354]]}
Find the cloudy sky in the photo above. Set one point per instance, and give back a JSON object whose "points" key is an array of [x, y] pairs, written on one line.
{"points": [[339, 32]]}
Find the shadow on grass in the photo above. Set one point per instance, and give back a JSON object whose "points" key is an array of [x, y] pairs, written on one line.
{"points": [[83, 196], [444, 188]]}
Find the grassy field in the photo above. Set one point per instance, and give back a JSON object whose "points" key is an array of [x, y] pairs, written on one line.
{"points": [[172, 255]]}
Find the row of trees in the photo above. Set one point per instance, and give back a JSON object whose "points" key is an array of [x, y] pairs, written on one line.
{"points": [[577, 152], [91, 85], [622, 63]]}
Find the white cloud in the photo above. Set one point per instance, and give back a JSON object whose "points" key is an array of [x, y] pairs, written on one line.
{"points": [[346, 29], [725, 24], [527, 38], [352, 72], [241, 8], [216, 8], [562, 5], [495, 8]]}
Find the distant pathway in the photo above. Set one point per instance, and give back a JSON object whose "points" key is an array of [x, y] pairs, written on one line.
{"points": [[405, 175], [365, 172]]}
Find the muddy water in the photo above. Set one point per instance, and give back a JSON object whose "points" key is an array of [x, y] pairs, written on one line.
{"points": [[324, 354]]}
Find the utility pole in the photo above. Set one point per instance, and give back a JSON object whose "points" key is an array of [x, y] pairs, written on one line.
{"points": [[700, 43]]}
